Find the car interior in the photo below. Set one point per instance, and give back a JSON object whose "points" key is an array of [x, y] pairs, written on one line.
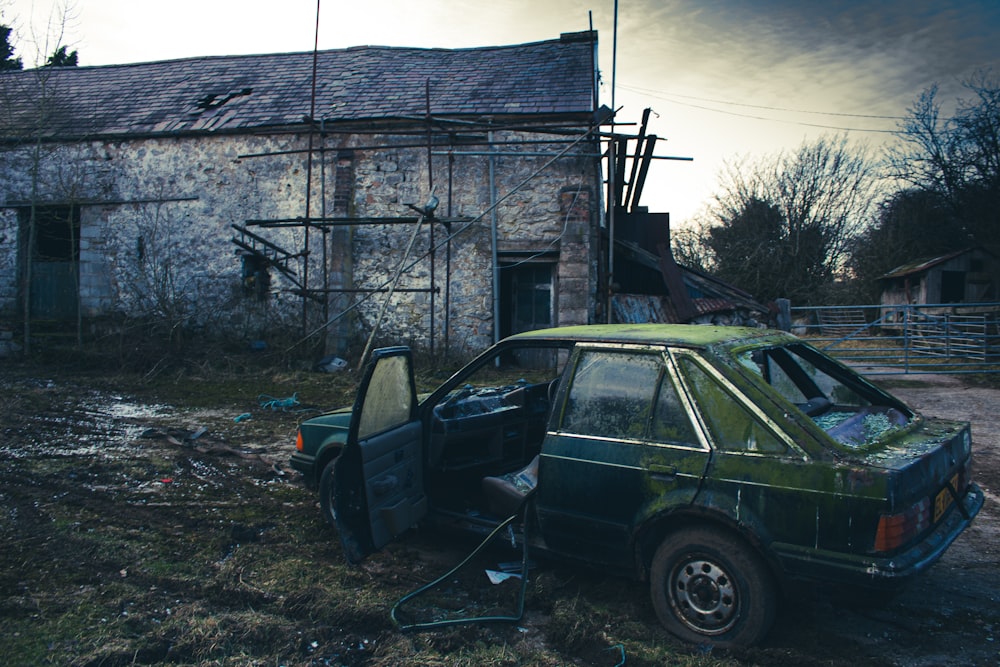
{"points": [[851, 411], [486, 435]]}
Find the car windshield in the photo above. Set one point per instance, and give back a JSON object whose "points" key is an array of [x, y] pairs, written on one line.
{"points": [[850, 410]]}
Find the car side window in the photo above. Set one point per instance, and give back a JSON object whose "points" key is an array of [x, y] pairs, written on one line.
{"points": [[619, 395], [611, 394], [671, 422], [732, 427]]}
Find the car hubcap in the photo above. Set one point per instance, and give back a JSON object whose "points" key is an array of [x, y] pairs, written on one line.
{"points": [[704, 597]]}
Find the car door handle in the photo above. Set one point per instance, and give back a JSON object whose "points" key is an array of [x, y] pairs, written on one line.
{"points": [[385, 485], [662, 473]]}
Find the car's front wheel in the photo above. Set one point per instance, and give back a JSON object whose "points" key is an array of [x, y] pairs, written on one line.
{"points": [[326, 491], [709, 586]]}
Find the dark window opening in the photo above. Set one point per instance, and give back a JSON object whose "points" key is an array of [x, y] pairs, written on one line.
{"points": [[256, 276], [526, 297], [952, 286]]}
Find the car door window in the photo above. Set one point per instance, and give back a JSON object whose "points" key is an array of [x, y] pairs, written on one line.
{"points": [[611, 394], [625, 395], [732, 427], [388, 402]]}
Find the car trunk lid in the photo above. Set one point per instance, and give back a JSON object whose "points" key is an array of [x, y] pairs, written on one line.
{"points": [[930, 466], [925, 454]]}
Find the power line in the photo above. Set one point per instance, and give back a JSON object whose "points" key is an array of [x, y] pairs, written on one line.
{"points": [[760, 106], [668, 97]]}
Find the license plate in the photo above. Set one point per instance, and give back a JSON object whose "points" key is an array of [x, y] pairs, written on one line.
{"points": [[944, 499]]}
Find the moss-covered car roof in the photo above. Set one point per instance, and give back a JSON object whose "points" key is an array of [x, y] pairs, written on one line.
{"points": [[693, 335]]}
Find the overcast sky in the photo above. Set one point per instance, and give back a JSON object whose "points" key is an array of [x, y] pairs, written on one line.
{"points": [[724, 78]]}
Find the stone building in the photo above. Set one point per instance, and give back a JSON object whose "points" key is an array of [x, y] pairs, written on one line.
{"points": [[287, 194]]}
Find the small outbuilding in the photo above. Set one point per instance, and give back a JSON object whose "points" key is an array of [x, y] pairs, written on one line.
{"points": [[964, 276]]}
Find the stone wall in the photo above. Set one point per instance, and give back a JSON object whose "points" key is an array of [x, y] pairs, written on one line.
{"points": [[156, 216], [8, 262]]}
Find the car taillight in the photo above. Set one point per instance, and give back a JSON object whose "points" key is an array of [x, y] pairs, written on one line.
{"points": [[895, 530], [964, 476], [298, 440]]}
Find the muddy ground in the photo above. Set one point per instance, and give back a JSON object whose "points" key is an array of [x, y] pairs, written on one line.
{"points": [[160, 523]]}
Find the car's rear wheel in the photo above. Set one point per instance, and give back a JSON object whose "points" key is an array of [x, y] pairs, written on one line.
{"points": [[709, 586], [326, 491]]}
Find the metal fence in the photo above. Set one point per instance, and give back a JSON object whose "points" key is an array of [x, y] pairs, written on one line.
{"points": [[927, 338]]}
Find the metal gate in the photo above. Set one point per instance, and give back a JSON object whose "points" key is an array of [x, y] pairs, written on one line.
{"points": [[928, 338]]}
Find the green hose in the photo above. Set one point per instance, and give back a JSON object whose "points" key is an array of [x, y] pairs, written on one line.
{"points": [[405, 627]]}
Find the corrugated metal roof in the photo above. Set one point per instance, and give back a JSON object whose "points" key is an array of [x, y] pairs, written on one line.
{"points": [[237, 93], [709, 294], [640, 308], [921, 265]]}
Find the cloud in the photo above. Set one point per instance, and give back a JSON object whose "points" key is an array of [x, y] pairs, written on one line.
{"points": [[870, 55]]}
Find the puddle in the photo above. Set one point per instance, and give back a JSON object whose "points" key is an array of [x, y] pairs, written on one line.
{"points": [[96, 424], [123, 409]]}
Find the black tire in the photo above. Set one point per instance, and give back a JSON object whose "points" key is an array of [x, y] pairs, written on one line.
{"points": [[326, 489], [710, 587]]}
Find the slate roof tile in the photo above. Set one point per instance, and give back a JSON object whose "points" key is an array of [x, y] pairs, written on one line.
{"points": [[228, 93]]}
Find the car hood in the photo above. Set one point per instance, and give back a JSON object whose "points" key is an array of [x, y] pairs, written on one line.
{"points": [[328, 427], [339, 419]]}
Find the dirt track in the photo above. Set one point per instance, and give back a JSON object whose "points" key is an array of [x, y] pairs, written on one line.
{"points": [[86, 465], [950, 616]]}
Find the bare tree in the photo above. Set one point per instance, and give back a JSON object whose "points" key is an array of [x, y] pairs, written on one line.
{"points": [[956, 157], [156, 286], [782, 226], [30, 99]]}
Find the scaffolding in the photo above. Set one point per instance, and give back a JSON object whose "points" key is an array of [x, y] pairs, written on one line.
{"points": [[626, 159], [620, 201], [440, 137]]}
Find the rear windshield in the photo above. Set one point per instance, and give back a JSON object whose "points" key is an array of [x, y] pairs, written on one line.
{"points": [[853, 412]]}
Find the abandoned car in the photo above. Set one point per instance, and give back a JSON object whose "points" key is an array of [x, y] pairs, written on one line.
{"points": [[721, 464]]}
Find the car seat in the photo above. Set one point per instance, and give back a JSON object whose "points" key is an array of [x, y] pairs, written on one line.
{"points": [[506, 493]]}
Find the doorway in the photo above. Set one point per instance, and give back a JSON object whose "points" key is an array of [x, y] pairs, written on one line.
{"points": [[952, 286], [526, 297], [55, 260], [527, 303]]}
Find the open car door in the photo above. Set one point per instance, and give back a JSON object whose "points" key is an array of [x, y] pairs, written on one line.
{"points": [[378, 478]]}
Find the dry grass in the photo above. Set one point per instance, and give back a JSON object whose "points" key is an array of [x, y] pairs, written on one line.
{"points": [[121, 549]]}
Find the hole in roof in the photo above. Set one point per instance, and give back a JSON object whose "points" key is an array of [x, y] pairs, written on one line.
{"points": [[215, 100]]}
